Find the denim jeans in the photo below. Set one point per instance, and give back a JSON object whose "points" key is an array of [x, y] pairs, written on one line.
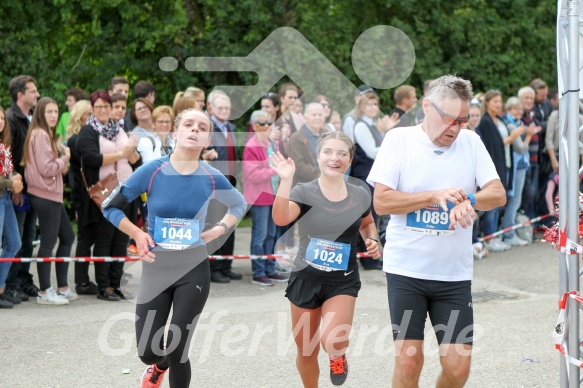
{"points": [[262, 240], [19, 275], [513, 202], [491, 218], [9, 233]]}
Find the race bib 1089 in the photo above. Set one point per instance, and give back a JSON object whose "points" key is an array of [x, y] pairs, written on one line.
{"points": [[431, 220], [328, 255], [176, 233]]}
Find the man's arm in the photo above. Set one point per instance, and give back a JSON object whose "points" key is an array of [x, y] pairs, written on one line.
{"points": [[492, 195], [389, 201]]}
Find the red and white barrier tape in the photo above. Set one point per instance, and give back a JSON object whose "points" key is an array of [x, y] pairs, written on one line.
{"points": [[517, 226], [568, 246], [559, 332], [135, 258]]}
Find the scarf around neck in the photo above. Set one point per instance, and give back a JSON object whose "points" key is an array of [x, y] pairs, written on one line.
{"points": [[108, 131]]}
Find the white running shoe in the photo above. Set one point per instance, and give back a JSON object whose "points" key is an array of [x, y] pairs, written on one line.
{"points": [[51, 297], [495, 245], [68, 294], [515, 241], [478, 251]]}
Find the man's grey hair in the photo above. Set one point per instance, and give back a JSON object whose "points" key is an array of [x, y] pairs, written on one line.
{"points": [[312, 104], [449, 87], [525, 90], [217, 93], [257, 114]]}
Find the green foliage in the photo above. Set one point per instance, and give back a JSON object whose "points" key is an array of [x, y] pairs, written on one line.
{"points": [[499, 44], [64, 43]]}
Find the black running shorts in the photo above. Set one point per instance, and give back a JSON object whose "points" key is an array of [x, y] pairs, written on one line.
{"points": [[449, 305], [310, 295]]}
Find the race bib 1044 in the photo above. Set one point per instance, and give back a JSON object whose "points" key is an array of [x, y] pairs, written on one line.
{"points": [[328, 255], [431, 220], [176, 233]]}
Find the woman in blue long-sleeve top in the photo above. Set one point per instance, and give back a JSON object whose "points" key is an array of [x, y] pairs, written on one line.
{"points": [[175, 271]]}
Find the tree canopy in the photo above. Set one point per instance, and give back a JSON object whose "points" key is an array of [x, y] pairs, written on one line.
{"points": [[499, 44]]}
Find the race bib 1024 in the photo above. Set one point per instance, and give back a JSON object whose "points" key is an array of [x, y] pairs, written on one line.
{"points": [[328, 255], [176, 233], [431, 220]]}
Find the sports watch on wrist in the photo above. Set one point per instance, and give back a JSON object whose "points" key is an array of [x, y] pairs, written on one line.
{"points": [[472, 199]]}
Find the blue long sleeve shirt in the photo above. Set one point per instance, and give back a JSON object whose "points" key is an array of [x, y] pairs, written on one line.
{"points": [[174, 195]]}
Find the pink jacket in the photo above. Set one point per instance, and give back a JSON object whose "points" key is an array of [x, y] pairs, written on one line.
{"points": [[43, 170], [257, 174]]}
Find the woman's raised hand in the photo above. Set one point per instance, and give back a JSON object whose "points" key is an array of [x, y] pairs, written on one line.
{"points": [[285, 168]]}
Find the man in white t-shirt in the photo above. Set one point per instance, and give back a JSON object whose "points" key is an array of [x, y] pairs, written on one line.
{"points": [[426, 178]]}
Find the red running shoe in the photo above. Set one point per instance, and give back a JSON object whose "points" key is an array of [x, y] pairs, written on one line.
{"points": [[152, 377], [338, 370]]}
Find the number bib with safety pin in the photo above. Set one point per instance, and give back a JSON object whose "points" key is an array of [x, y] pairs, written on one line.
{"points": [[431, 220], [176, 233], [328, 255]]}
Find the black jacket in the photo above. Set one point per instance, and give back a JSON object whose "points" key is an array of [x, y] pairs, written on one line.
{"points": [[91, 160], [19, 124], [494, 143]]}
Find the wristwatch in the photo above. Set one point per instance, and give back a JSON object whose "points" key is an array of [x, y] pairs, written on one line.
{"points": [[223, 225], [472, 199]]}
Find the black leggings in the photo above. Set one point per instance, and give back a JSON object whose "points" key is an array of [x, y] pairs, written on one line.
{"points": [[54, 224], [186, 296]]}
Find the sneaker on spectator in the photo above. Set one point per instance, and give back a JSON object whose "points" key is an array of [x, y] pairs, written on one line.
{"points": [[277, 278], [12, 296], [68, 294], [338, 370], [281, 270], [495, 245], [51, 297], [515, 241], [108, 295], [262, 281], [19, 294], [152, 377], [87, 289], [4, 302], [123, 294]]}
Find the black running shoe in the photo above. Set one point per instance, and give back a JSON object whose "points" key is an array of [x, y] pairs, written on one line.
{"points": [[338, 370]]}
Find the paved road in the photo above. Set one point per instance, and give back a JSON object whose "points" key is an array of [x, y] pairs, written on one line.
{"points": [[244, 340]]}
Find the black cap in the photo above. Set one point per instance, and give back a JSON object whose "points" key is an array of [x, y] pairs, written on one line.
{"points": [[363, 89]]}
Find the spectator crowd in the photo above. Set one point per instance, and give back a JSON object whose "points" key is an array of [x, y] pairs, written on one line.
{"points": [[43, 150]]}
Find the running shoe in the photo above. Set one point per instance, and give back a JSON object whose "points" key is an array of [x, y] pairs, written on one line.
{"points": [[108, 295], [50, 297], [338, 370], [68, 294], [4, 302], [495, 245], [152, 377], [275, 277], [11, 297], [133, 250], [517, 241], [87, 289], [262, 281]]}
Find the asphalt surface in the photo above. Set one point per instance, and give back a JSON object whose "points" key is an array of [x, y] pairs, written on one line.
{"points": [[243, 338]]}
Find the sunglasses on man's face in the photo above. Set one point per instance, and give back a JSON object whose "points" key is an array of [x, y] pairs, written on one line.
{"points": [[264, 123], [449, 119]]}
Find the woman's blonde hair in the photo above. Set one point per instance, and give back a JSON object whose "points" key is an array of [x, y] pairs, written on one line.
{"points": [[77, 112]]}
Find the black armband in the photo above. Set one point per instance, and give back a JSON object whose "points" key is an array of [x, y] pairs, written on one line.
{"points": [[115, 198]]}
